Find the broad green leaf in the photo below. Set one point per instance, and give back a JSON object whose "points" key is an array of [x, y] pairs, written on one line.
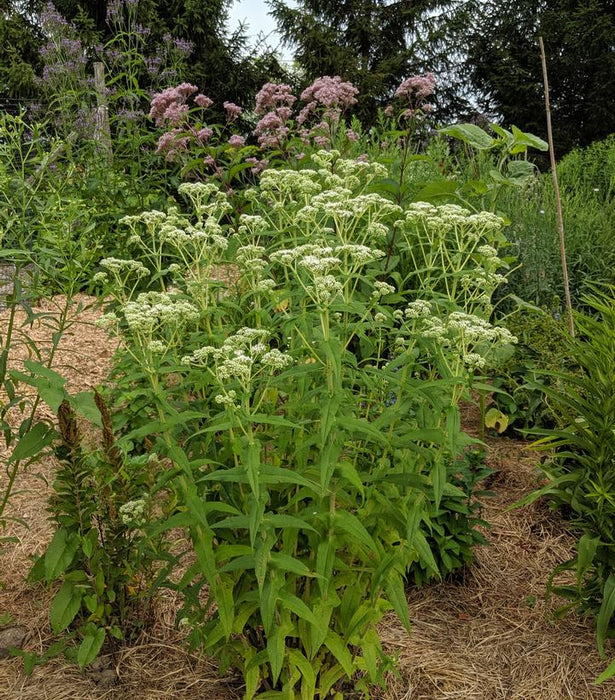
{"points": [[521, 169], [90, 647], [496, 420], [84, 404], [60, 554], [436, 190], [65, 606], [524, 139], [33, 442], [471, 134]]}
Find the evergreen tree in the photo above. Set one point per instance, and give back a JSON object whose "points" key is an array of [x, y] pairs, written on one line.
{"points": [[19, 44], [503, 64], [374, 44]]}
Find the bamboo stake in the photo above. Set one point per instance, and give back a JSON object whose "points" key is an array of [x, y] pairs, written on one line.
{"points": [[558, 200]]}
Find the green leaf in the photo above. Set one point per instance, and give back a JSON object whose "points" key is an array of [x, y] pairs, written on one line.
{"points": [[425, 554], [287, 521], [308, 676], [394, 587], [438, 476], [33, 442], [524, 139], [608, 672], [435, 190], [496, 420], [90, 647], [336, 645], [605, 613], [469, 133], [350, 524], [297, 606], [521, 169], [276, 646], [226, 607], [84, 404], [288, 563], [251, 675], [65, 606], [60, 554], [586, 551]]}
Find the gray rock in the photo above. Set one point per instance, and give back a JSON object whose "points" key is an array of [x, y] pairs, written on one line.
{"points": [[11, 637]]}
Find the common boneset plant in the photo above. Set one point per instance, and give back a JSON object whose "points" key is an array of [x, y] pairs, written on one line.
{"points": [[309, 412]]}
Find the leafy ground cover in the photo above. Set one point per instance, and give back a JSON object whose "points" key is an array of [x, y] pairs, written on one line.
{"points": [[486, 633]]}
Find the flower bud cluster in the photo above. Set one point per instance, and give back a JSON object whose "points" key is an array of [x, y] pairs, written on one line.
{"points": [[158, 310]]}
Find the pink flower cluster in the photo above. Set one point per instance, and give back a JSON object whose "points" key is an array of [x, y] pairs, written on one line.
{"points": [[273, 96], [232, 110], [274, 102], [171, 143], [169, 106], [417, 87], [331, 92], [415, 90], [327, 97], [203, 101]]}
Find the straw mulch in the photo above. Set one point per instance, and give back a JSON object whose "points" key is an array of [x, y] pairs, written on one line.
{"points": [[489, 634]]}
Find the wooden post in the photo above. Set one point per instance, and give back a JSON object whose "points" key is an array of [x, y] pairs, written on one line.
{"points": [[102, 131], [558, 200]]}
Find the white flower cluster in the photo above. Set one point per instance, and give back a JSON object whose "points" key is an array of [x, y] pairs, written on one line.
{"points": [[207, 199], [319, 265], [152, 310], [381, 289], [251, 258], [478, 330], [252, 224], [132, 514], [451, 216], [365, 170], [228, 399], [266, 285], [417, 309], [288, 256], [376, 232], [472, 360], [120, 266], [289, 185], [358, 254], [107, 321], [239, 357], [325, 289], [479, 278]]}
